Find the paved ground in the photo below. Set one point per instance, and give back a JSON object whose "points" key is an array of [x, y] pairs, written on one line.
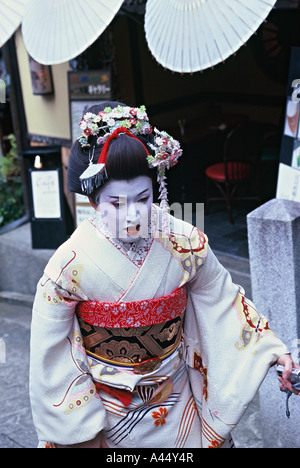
{"points": [[16, 426]]}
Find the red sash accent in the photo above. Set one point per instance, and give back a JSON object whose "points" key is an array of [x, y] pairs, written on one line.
{"points": [[133, 314], [123, 396]]}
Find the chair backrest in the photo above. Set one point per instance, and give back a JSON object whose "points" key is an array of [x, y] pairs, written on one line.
{"points": [[243, 150], [244, 143]]}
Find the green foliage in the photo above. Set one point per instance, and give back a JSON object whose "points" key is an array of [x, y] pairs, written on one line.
{"points": [[9, 165], [11, 194]]}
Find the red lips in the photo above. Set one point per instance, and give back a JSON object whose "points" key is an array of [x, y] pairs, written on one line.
{"points": [[132, 230]]}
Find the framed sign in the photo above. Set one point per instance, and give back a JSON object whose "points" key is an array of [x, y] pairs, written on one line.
{"points": [[41, 78]]}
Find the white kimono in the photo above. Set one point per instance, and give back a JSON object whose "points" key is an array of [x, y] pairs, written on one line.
{"points": [[201, 389]]}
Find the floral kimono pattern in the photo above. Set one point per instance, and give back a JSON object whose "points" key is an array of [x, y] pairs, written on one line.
{"points": [[202, 386]]}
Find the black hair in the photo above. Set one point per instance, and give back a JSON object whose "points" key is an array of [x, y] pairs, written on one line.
{"points": [[127, 159], [126, 156]]}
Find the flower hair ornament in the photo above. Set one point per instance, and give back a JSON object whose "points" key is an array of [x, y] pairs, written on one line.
{"points": [[108, 125]]}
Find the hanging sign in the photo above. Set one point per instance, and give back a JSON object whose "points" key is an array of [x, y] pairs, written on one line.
{"points": [[93, 85]]}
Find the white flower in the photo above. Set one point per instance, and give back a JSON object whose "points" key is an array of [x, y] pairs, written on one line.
{"points": [[111, 122], [116, 114], [106, 117], [126, 112], [141, 115], [159, 141], [89, 115]]}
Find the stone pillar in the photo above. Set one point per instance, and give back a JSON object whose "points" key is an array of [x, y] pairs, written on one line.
{"points": [[274, 250]]}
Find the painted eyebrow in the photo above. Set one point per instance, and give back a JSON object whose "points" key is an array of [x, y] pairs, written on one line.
{"points": [[124, 196], [144, 191]]}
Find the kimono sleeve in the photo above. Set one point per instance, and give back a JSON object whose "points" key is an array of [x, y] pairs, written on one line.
{"points": [[66, 407], [230, 349]]}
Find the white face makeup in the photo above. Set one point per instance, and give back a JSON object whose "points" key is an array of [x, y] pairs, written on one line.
{"points": [[125, 207]]}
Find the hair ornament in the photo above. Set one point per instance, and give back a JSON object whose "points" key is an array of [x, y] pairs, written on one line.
{"points": [[105, 122], [108, 125]]}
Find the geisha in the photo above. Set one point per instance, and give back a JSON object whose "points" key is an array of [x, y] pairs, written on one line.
{"points": [[139, 336]]}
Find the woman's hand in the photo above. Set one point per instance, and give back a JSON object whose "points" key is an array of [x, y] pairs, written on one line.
{"points": [[289, 365]]}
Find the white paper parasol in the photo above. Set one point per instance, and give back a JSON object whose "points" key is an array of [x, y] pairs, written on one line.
{"points": [[191, 35], [11, 13], [56, 31]]}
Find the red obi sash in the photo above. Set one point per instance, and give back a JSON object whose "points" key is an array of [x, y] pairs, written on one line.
{"points": [[133, 314]]}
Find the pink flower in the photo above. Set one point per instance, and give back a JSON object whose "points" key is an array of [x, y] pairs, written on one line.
{"points": [[173, 160]]}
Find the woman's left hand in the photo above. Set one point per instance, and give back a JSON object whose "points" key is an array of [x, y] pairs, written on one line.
{"points": [[289, 365]]}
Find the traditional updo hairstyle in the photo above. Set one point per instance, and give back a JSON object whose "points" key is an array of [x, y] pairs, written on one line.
{"points": [[126, 157]]}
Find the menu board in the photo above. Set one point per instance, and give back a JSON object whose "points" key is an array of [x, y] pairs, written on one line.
{"points": [[46, 194]]}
